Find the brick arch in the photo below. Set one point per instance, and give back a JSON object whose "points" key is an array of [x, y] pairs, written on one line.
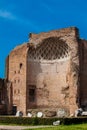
{"points": [[49, 49]]}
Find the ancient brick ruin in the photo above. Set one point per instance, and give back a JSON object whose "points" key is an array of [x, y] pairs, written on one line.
{"points": [[48, 73]]}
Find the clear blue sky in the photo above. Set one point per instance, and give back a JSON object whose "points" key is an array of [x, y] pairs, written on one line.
{"points": [[20, 17]]}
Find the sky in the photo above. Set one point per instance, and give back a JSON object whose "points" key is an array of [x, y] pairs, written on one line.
{"points": [[18, 18]]}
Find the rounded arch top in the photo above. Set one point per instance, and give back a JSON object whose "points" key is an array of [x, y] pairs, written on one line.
{"points": [[49, 49]]}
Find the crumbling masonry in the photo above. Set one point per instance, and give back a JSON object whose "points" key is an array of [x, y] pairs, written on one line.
{"points": [[48, 73]]}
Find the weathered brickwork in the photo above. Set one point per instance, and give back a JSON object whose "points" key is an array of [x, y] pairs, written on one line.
{"points": [[17, 78], [83, 74], [48, 73]]}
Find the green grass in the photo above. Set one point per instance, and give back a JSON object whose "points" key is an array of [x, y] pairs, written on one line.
{"points": [[65, 127]]}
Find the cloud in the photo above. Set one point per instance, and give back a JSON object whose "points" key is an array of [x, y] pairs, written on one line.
{"points": [[24, 22], [7, 15]]}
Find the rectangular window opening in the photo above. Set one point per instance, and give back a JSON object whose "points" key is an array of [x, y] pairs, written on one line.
{"points": [[32, 93]]}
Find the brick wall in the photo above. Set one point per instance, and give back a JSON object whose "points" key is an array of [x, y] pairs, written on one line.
{"points": [[17, 77], [55, 82], [83, 74]]}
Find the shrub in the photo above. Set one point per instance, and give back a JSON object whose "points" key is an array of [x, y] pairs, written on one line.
{"points": [[40, 121], [78, 120]]}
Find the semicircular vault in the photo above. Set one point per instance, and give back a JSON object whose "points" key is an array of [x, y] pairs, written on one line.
{"points": [[49, 49]]}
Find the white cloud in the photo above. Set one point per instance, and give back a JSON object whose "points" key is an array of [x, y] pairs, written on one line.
{"points": [[24, 22], [7, 15]]}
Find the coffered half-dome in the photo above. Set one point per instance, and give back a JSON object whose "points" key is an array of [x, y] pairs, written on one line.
{"points": [[49, 49]]}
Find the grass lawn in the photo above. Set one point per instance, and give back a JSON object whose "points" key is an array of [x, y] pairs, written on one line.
{"points": [[65, 127]]}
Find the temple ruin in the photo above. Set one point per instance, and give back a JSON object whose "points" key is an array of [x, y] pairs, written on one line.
{"points": [[48, 73]]}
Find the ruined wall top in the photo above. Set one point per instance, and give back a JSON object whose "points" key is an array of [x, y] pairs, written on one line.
{"points": [[19, 49], [37, 38]]}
